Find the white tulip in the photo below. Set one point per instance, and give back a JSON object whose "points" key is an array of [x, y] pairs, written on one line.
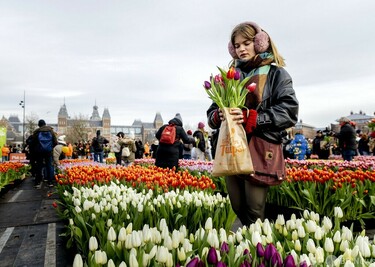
{"points": [[93, 216], [109, 222], [337, 237], [346, 234], [328, 245], [111, 263], [338, 212], [133, 261], [122, 234], [78, 209], [327, 224], [310, 246], [318, 235], [76, 202], [111, 234], [208, 224], [373, 250], [305, 258], [145, 259], [364, 246], [169, 262], [297, 245], [162, 254], [348, 263], [78, 262], [301, 232], [255, 238], [311, 226], [152, 252], [168, 242], [319, 255], [93, 243], [136, 239], [71, 222], [344, 245], [295, 235], [181, 255]]}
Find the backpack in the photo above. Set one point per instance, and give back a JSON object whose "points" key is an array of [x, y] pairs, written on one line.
{"points": [[116, 147], [45, 142], [168, 136], [125, 152]]}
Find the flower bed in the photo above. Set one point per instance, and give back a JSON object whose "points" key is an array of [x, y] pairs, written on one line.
{"points": [[11, 172], [145, 216]]}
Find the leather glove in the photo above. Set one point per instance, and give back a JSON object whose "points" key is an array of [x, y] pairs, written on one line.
{"points": [[250, 120]]}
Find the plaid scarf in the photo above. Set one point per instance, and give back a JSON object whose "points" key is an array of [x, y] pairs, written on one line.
{"points": [[257, 69]]}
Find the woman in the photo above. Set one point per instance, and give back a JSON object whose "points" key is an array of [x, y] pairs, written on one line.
{"points": [[275, 106]]}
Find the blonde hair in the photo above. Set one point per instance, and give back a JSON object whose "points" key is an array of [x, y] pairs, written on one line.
{"points": [[248, 32]]}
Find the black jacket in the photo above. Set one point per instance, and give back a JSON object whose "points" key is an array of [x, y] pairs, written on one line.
{"points": [[347, 137], [278, 110], [167, 155]]}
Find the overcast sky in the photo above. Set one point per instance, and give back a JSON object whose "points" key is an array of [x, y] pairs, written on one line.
{"points": [[137, 58]]}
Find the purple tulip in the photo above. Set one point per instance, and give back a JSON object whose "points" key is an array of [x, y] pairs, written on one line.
{"points": [[245, 264], [221, 264], [212, 256], [276, 260], [193, 262], [260, 250], [269, 251], [289, 261], [201, 264], [237, 75], [207, 85], [224, 248]]}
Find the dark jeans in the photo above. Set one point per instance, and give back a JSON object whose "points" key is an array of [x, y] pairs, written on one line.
{"points": [[98, 156], [44, 161], [348, 154]]}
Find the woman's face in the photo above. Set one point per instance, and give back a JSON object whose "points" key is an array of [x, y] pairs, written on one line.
{"points": [[244, 48]]}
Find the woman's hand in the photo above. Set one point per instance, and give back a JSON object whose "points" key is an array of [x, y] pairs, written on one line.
{"points": [[236, 114]]}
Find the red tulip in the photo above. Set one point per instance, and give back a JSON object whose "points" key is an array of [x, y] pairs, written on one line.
{"points": [[231, 72], [251, 87]]}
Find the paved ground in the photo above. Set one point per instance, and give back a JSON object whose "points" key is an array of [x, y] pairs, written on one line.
{"points": [[30, 228]]}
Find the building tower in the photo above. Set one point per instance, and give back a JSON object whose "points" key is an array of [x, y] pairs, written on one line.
{"points": [[62, 120]]}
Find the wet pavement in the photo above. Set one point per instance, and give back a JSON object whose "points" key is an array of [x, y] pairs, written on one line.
{"points": [[30, 227]]}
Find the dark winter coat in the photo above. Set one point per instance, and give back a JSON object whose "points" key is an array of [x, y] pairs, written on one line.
{"points": [[34, 142], [277, 111], [347, 137], [167, 155]]}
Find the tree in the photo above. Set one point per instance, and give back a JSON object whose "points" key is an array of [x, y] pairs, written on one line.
{"points": [[79, 129], [31, 124]]}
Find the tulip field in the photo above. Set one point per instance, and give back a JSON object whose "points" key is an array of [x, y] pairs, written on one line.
{"points": [[146, 216]]}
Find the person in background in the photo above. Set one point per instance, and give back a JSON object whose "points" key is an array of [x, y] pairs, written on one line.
{"points": [[207, 153], [200, 142], [146, 149], [59, 151], [167, 155], [347, 139], [299, 147], [140, 149], [98, 143], [363, 145], [117, 147], [188, 147], [154, 148], [69, 153], [5, 153], [128, 142], [43, 158], [274, 108]]}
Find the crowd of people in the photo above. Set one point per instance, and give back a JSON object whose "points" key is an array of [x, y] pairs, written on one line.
{"points": [[348, 142]]}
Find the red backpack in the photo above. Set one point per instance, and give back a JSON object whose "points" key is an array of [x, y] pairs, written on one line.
{"points": [[168, 136]]}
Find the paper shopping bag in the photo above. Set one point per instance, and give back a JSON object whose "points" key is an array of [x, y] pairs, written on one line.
{"points": [[232, 151]]}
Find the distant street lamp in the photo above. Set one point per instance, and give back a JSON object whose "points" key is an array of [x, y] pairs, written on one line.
{"points": [[22, 104]]}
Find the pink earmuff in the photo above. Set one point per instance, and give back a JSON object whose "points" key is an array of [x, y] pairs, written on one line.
{"points": [[261, 40]]}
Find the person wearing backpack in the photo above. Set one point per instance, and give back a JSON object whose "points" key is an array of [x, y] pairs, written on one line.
{"points": [[97, 144], [43, 141], [128, 149], [167, 154]]}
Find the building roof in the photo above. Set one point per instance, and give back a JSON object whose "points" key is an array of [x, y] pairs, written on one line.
{"points": [[106, 114], [63, 112]]}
